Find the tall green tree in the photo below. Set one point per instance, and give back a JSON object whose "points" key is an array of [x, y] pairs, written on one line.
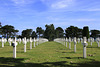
{"points": [[95, 33], [15, 32], [59, 32], [39, 31], [73, 32], [33, 34], [49, 32], [85, 32], [27, 33], [8, 31]]}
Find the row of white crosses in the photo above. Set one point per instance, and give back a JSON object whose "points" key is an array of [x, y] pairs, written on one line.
{"points": [[24, 40], [4, 40], [42, 40], [91, 40], [39, 41], [75, 42], [63, 41], [59, 40]]}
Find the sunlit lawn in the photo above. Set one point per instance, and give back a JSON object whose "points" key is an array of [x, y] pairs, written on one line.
{"points": [[50, 54]]}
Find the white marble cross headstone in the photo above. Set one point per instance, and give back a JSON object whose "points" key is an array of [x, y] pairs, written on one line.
{"points": [[84, 47], [97, 39], [9, 40], [66, 42], [37, 40], [34, 41], [2, 42], [14, 48], [69, 43], [30, 43], [78, 40], [75, 44], [91, 41], [81, 40], [88, 39], [5, 40], [25, 44], [20, 40]]}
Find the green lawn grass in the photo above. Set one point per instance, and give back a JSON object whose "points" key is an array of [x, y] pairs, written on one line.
{"points": [[50, 54]]}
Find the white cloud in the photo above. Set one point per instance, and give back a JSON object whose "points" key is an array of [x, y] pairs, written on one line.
{"points": [[58, 4], [18, 2], [22, 2], [62, 4]]}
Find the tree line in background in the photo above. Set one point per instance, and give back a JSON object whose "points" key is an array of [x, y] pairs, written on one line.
{"points": [[8, 31], [50, 32]]}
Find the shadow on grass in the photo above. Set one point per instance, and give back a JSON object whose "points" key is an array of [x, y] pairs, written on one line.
{"points": [[70, 52], [77, 58], [90, 63], [11, 62], [92, 47]]}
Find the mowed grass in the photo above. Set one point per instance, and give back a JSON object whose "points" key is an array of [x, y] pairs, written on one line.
{"points": [[50, 54]]}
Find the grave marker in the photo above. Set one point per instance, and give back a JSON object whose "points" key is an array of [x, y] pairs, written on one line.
{"points": [[75, 44], [24, 44], [14, 44], [91, 41], [78, 40], [66, 42], [34, 41], [84, 47], [37, 41], [9, 40], [97, 39], [69, 43], [30, 43], [2, 42]]}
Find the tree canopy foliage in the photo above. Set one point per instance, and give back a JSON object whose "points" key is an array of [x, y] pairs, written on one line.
{"points": [[95, 33], [39, 31], [73, 32], [27, 33], [8, 31], [59, 32], [85, 32], [50, 32], [33, 34]]}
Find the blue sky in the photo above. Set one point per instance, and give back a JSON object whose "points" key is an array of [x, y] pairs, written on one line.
{"points": [[23, 14]]}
